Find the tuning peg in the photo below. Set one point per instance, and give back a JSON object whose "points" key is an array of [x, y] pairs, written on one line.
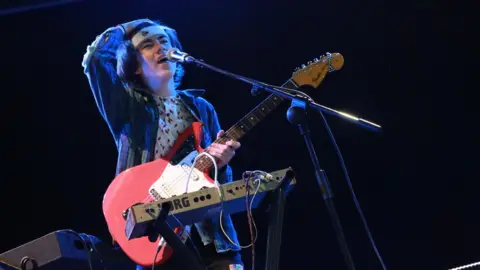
{"points": [[297, 68], [309, 63], [315, 59], [303, 66]]}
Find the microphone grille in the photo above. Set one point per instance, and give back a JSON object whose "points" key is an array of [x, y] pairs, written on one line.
{"points": [[171, 52]]}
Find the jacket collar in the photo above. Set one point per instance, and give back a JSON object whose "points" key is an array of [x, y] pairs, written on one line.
{"points": [[188, 97], [190, 94]]}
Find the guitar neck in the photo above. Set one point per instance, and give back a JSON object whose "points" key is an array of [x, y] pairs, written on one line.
{"points": [[245, 124]]}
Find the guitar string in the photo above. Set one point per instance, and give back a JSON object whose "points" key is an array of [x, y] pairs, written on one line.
{"points": [[168, 189], [202, 167], [175, 181], [206, 163], [271, 98]]}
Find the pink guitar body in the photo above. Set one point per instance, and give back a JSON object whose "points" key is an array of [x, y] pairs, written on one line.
{"points": [[132, 186]]}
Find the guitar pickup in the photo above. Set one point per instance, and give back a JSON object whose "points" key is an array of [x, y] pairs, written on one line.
{"points": [[187, 168]]}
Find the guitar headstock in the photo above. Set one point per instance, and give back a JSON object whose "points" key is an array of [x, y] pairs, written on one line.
{"points": [[314, 71]]}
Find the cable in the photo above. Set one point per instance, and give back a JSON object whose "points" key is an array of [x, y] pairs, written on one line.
{"points": [[251, 220], [155, 257], [217, 185], [220, 193], [347, 177], [248, 209], [249, 215]]}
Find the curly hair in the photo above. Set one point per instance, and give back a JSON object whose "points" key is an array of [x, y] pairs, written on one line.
{"points": [[128, 60]]}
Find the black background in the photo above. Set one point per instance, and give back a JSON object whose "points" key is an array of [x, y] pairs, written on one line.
{"points": [[416, 180]]}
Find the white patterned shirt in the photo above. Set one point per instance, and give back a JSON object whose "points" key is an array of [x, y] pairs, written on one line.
{"points": [[174, 118]]}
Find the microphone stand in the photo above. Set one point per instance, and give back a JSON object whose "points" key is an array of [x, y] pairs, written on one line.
{"points": [[296, 115], [280, 91]]}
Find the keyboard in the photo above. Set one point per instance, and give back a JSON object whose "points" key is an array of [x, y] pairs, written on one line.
{"points": [[196, 206]]}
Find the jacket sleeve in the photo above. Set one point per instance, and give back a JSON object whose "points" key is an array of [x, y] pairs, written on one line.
{"points": [[225, 174], [99, 64]]}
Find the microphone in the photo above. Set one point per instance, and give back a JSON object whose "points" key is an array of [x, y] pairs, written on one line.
{"points": [[175, 55]]}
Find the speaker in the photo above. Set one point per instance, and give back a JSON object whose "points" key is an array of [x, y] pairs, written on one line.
{"points": [[62, 250]]}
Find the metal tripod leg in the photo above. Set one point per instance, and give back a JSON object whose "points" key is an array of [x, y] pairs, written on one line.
{"points": [[274, 238]]}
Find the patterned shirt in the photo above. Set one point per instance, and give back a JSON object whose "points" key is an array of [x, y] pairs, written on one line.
{"points": [[174, 118]]}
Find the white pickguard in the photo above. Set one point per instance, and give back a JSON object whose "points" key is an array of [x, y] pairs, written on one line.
{"points": [[174, 179]]}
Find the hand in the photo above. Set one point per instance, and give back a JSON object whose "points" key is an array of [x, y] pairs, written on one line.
{"points": [[128, 26], [223, 152]]}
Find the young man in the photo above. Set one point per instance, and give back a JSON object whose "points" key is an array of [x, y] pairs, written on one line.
{"points": [[135, 89]]}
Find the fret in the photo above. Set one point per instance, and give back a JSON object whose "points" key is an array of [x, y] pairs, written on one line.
{"points": [[258, 114], [246, 123], [271, 103], [231, 134], [268, 104], [263, 111], [203, 163], [276, 100], [239, 131], [252, 118]]}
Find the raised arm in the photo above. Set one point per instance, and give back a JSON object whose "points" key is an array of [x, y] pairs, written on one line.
{"points": [[99, 63], [100, 67]]}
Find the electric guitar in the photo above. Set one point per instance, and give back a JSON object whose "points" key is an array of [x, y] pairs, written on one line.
{"points": [[170, 176]]}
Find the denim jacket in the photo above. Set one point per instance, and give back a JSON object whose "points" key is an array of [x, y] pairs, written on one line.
{"points": [[132, 117]]}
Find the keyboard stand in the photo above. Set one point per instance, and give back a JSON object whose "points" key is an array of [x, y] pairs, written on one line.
{"points": [[274, 238], [160, 227]]}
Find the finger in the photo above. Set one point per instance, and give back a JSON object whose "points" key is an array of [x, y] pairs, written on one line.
{"points": [[214, 153], [233, 144], [228, 151], [219, 158], [220, 133], [225, 153], [219, 152], [219, 147]]}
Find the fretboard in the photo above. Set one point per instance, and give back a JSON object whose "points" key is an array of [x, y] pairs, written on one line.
{"points": [[245, 124]]}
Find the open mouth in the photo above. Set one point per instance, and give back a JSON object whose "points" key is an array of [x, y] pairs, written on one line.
{"points": [[162, 60]]}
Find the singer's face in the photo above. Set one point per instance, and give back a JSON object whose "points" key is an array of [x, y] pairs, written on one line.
{"points": [[153, 60]]}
